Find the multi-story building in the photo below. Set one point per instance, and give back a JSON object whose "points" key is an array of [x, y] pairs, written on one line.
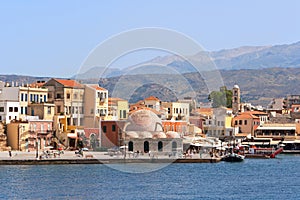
{"points": [[95, 106], [246, 122], [177, 110], [15, 99], [219, 123], [29, 135], [117, 109], [68, 97], [152, 102]]}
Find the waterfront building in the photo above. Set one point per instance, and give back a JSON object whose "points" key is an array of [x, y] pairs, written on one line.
{"points": [[29, 135], [117, 109], [68, 98], [218, 124], [177, 110], [15, 99], [143, 132], [95, 105], [43, 110], [246, 123]]}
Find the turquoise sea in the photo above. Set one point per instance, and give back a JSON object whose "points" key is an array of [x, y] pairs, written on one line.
{"points": [[252, 179]]}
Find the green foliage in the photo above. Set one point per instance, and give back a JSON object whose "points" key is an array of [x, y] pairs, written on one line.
{"points": [[221, 98]]}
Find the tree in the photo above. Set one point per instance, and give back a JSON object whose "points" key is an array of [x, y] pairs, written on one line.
{"points": [[221, 98]]}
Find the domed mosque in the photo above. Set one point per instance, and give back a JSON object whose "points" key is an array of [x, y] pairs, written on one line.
{"points": [[144, 133]]}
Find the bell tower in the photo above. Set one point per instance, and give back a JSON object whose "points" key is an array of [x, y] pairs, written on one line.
{"points": [[236, 99]]}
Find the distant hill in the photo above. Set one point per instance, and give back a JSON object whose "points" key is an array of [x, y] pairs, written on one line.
{"points": [[246, 57], [258, 86]]}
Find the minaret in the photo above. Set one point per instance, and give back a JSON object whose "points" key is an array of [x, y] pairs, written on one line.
{"points": [[236, 99]]}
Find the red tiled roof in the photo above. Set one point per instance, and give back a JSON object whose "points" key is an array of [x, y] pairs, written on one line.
{"points": [[246, 116], [256, 112], [68, 83], [152, 98], [205, 111], [98, 87]]}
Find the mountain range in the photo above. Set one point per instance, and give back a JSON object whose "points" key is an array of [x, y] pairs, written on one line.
{"points": [[246, 57], [262, 73]]}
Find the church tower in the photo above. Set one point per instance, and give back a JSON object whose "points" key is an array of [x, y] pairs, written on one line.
{"points": [[236, 99]]}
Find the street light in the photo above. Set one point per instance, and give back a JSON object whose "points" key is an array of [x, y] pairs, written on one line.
{"points": [[37, 149]]}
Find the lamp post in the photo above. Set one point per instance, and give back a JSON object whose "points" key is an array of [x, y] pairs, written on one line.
{"points": [[37, 149]]}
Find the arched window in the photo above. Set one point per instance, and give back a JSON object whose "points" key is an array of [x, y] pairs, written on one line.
{"points": [[146, 146], [174, 146], [130, 146], [160, 146]]}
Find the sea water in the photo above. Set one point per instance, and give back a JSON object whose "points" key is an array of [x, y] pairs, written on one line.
{"points": [[252, 179]]}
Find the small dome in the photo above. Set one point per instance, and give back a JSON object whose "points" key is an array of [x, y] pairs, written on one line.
{"points": [[159, 135], [145, 134], [132, 134], [236, 86], [172, 134]]}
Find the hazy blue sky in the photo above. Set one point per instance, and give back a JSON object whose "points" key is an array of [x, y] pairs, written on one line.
{"points": [[52, 38]]}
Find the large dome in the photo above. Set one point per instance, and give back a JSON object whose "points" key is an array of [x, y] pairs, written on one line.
{"points": [[144, 120]]}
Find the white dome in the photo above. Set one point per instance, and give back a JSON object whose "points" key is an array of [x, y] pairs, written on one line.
{"points": [[236, 86]]}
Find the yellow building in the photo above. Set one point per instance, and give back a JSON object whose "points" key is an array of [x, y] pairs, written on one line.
{"points": [[42, 110], [68, 97], [118, 109], [95, 105], [17, 135]]}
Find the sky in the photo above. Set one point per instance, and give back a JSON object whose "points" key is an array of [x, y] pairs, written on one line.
{"points": [[53, 38]]}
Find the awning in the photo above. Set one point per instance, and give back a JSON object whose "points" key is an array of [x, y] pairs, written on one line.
{"points": [[72, 135], [276, 128]]}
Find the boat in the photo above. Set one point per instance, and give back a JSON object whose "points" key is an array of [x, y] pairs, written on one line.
{"points": [[233, 157], [263, 152]]}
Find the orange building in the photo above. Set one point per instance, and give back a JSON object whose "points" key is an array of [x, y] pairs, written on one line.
{"points": [[246, 122]]}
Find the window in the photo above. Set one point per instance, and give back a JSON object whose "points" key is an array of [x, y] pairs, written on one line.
{"points": [[160, 146], [25, 112], [75, 96], [10, 109], [58, 109], [121, 114], [1, 109], [240, 122], [236, 122], [104, 129], [113, 127], [124, 113], [245, 122], [22, 97], [26, 97], [16, 109], [58, 96], [45, 98], [68, 96], [31, 98], [49, 110]]}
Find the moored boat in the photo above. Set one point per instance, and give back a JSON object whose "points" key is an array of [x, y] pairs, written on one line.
{"points": [[233, 157], [263, 152]]}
